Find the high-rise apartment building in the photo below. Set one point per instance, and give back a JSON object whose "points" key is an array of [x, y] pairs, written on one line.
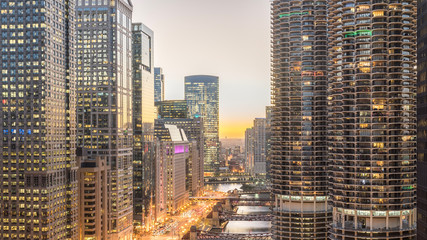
{"points": [[422, 122], [159, 85], [38, 166], [299, 119], [202, 95], [104, 103], [372, 119], [143, 125], [172, 109]]}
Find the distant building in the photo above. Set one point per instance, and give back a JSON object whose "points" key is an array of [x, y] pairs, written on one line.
{"points": [[249, 150], [172, 153], [256, 147], [202, 95], [104, 101], [159, 85], [172, 109], [143, 125], [260, 146]]}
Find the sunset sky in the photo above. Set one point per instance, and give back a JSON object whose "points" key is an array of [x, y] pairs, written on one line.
{"points": [[226, 38]]}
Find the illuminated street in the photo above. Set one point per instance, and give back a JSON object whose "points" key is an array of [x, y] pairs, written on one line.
{"points": [[180, 224]]}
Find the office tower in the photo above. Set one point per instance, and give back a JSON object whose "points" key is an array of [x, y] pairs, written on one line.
{"points": [[143, 124], [172, 109], [104, 104], [260, 146], [93, 197], [159, 85], [193, 128], [202, 95], [422, 122], [38, 188], [372, 119], [299, 150], [172, 154], [249, 150]]}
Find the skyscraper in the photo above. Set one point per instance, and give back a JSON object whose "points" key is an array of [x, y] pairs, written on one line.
{"points": [[202, 95], [175, 112], [422, 122], [172, 109], [159, 85], [299, 122], [249, 150], [372, 119], [193, 128], [260, 146], [38, 163], [143, 123], [256, 147], [104, 104], [173, 151]]}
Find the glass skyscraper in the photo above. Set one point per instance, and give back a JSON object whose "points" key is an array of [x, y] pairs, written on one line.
{"points": [[372, 119], [172, 109], [299, 156], [159, 85], [38, 187], [143, 124], [104, 103], [202, 95]]}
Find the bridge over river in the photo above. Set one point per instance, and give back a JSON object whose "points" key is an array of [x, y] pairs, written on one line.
{"points": [[252, 217], [234, 236]]}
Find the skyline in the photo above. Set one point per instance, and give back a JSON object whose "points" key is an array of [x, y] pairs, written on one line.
{"points": [[246, 23]]}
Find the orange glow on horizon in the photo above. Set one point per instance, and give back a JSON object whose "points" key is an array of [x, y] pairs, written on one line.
{"points": [[234, 129]]}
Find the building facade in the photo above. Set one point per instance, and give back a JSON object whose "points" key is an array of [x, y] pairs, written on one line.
{"points": [[372, 119], [193, 129], [172, 109], [299, 120], [159, 85], [93, 198], [143, 124], [172, 152], [249, 150], [260, 146], [37, 137], [202, 96], [422, 122], [104, 103]]}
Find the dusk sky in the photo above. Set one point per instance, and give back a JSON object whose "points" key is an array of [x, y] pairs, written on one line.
{"points": [[225, 38]]}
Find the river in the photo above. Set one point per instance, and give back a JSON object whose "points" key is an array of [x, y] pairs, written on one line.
{"points": [[244, 227]]}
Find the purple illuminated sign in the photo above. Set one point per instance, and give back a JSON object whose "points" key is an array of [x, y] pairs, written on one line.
{"points": [[179, 149]]}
